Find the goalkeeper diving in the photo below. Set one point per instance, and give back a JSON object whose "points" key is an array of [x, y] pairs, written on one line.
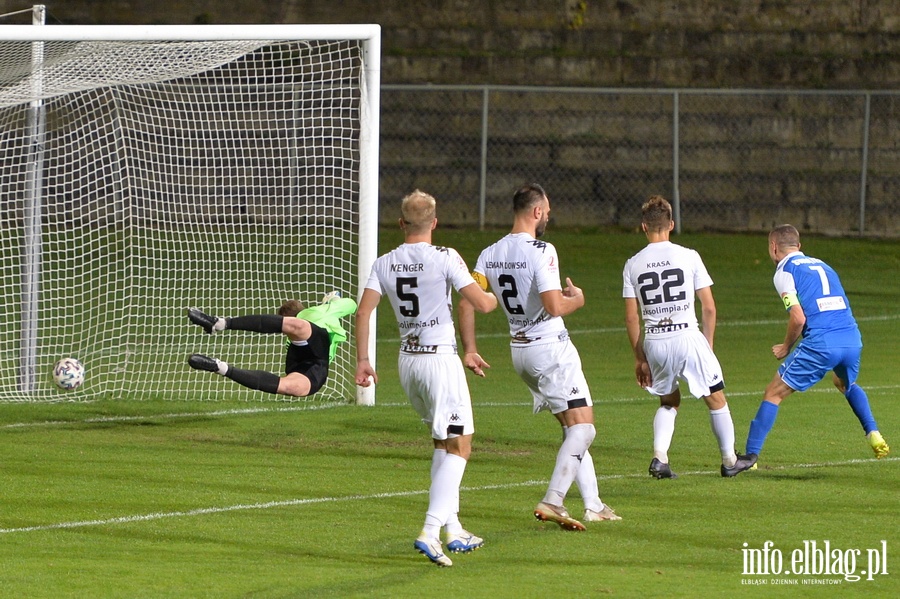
{"points": [[313, 336]]}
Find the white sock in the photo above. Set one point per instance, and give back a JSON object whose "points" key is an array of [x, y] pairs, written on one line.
{"points": [[223, 366], [663, 430], [453, 525], [219, 325], [443, 496], [723, 429], [568, 461], [586, 481], [437, 458]]}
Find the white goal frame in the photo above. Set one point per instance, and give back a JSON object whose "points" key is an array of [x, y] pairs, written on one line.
{"points": [[32, 381]]}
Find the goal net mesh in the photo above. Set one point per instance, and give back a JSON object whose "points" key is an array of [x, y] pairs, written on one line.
{"points": [[138, 179]]}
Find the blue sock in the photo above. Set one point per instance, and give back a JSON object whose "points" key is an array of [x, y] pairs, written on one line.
{"points": [[859, 403], [760, 426]]}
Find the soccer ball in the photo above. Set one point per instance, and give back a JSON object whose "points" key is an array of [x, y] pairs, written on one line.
{"points": [[68, 373]]}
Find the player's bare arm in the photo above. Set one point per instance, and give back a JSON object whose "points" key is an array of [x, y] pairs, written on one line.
{"points": [[471, 358], [563, 302], [364, 369], [480, 299], [796, 320], [633, 327], [708, 313]]}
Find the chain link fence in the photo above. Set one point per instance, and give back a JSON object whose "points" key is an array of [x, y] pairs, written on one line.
{"points": [[729, 160]]}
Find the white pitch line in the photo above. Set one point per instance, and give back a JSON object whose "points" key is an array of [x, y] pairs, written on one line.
{"points": [[375, 496], [176, 415], [637, 398]]}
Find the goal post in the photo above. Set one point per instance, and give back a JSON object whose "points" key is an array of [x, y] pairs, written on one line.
{"points": [[147, 169]]}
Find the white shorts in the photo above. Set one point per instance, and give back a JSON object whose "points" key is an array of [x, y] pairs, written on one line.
{"points": [[437, 389], [686, 356], [553, 374]]}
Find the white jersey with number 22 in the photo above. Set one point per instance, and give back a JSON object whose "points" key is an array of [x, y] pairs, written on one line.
{"points": [[663, 277]]}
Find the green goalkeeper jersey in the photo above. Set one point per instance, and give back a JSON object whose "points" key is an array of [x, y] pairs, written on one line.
{"points": [[328, 316]]}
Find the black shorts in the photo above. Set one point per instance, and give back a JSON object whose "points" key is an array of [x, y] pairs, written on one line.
{"points": [[310, 359]]}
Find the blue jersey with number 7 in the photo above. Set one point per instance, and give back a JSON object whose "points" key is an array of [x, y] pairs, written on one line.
{"points": [[817, 288]]}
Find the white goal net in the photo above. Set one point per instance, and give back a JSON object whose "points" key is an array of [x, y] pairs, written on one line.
{"points": [[145, 170]]}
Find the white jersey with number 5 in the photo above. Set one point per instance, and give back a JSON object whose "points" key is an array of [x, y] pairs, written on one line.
{"points": [[417, 279], [518, 269], [663, 277]]}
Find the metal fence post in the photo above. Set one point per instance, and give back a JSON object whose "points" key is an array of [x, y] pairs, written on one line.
{"points": [[676, 197], [482, 192], [865, 166]]}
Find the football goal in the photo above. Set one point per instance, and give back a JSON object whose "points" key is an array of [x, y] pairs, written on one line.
{"points": [[148, 169]]}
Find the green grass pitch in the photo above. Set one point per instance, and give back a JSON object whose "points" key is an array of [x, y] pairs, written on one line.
{"points": [[309, 499]]}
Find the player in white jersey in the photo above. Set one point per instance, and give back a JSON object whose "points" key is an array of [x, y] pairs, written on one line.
{"points": [[523, 272], [659, 284], [417, 278]]}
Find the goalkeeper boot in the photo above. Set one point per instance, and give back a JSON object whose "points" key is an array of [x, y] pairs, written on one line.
{"points": [[744, 462], [660, 470], [546, 512], [201, 362], [209, 323], [879, 445], [463, 542], [605, 514], [431, 548]]}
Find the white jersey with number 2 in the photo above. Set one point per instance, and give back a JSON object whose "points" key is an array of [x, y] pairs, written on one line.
{"points": [[518, 269]]}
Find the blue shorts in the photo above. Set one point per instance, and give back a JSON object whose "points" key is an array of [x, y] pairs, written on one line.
{"points": [[804, 367]]}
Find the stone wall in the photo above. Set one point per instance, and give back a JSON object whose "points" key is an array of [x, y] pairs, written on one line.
{"points": [[635, 43], [798, 158]]}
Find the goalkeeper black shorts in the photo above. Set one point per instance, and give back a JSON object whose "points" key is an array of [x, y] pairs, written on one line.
{"points": [[310, 359]]}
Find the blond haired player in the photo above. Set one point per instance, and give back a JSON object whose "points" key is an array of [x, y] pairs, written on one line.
{"points": [[417, 278]]}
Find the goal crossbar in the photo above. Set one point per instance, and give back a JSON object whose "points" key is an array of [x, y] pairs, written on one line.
{"points": [[109, 33]]}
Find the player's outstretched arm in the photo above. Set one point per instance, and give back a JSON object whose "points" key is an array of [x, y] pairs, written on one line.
{"points": [[342, 306]]}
